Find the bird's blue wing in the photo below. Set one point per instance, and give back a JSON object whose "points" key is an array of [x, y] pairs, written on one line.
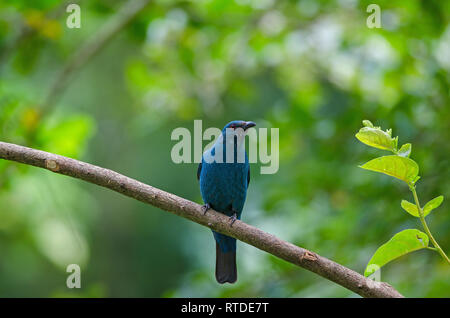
{"points": [[199, 170], [248, 176]]}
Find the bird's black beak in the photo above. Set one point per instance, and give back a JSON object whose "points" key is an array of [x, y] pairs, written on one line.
{"points": [[248, 124]]}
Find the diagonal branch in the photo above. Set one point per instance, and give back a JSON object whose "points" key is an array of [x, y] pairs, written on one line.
{"points": [[192, 211]]}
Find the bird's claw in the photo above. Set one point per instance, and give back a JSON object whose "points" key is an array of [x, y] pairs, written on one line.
{"points": [[205, 208], [233, 219]]}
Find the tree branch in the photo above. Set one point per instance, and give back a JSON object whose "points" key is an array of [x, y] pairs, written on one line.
{"points": [[192, 211]]}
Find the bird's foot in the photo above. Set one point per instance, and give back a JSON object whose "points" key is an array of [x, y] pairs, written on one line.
{"points": [[233, 219], [205, 208]]}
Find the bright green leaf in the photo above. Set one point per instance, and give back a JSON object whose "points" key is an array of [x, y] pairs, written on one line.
{"points": [[395, 142], [367, 123], [400, 244], [376, 138], [433, 204], [405, 150], [399, 167], [410, 208], [389, 132], [430, 206]]}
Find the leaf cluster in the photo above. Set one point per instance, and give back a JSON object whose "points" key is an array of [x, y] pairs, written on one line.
{"points": [[400, 166]]}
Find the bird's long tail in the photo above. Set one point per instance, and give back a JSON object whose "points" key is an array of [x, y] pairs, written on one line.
{"points": [[226, 271]]}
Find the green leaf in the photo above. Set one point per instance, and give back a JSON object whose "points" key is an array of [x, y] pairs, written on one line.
{"points": [[388, 131], [399, 167], [433, 204], [367, 123], [400, 244], [410, 208], [375, 137], [430, 206], [395, 142], [405, 150]]}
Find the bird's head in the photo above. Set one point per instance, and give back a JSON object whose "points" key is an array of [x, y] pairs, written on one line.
{"points": [[235, 131], [237, 127]]}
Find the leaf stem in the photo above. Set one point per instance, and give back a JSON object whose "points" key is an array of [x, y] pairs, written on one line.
{"points": [[425, 226]]}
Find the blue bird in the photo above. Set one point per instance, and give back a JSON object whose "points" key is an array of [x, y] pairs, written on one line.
{"points": [[224, 176]]}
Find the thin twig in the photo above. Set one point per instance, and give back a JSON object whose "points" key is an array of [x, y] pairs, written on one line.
{"points": [[437, 248]]}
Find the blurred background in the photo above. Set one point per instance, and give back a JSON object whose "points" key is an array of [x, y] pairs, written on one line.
{"points": [[313, 69]]}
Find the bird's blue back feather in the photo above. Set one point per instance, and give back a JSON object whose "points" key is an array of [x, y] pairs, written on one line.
{"points": [[224, 187]]}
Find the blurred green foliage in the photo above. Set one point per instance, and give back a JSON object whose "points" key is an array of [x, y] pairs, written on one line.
{"points": [[311, 68]]}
